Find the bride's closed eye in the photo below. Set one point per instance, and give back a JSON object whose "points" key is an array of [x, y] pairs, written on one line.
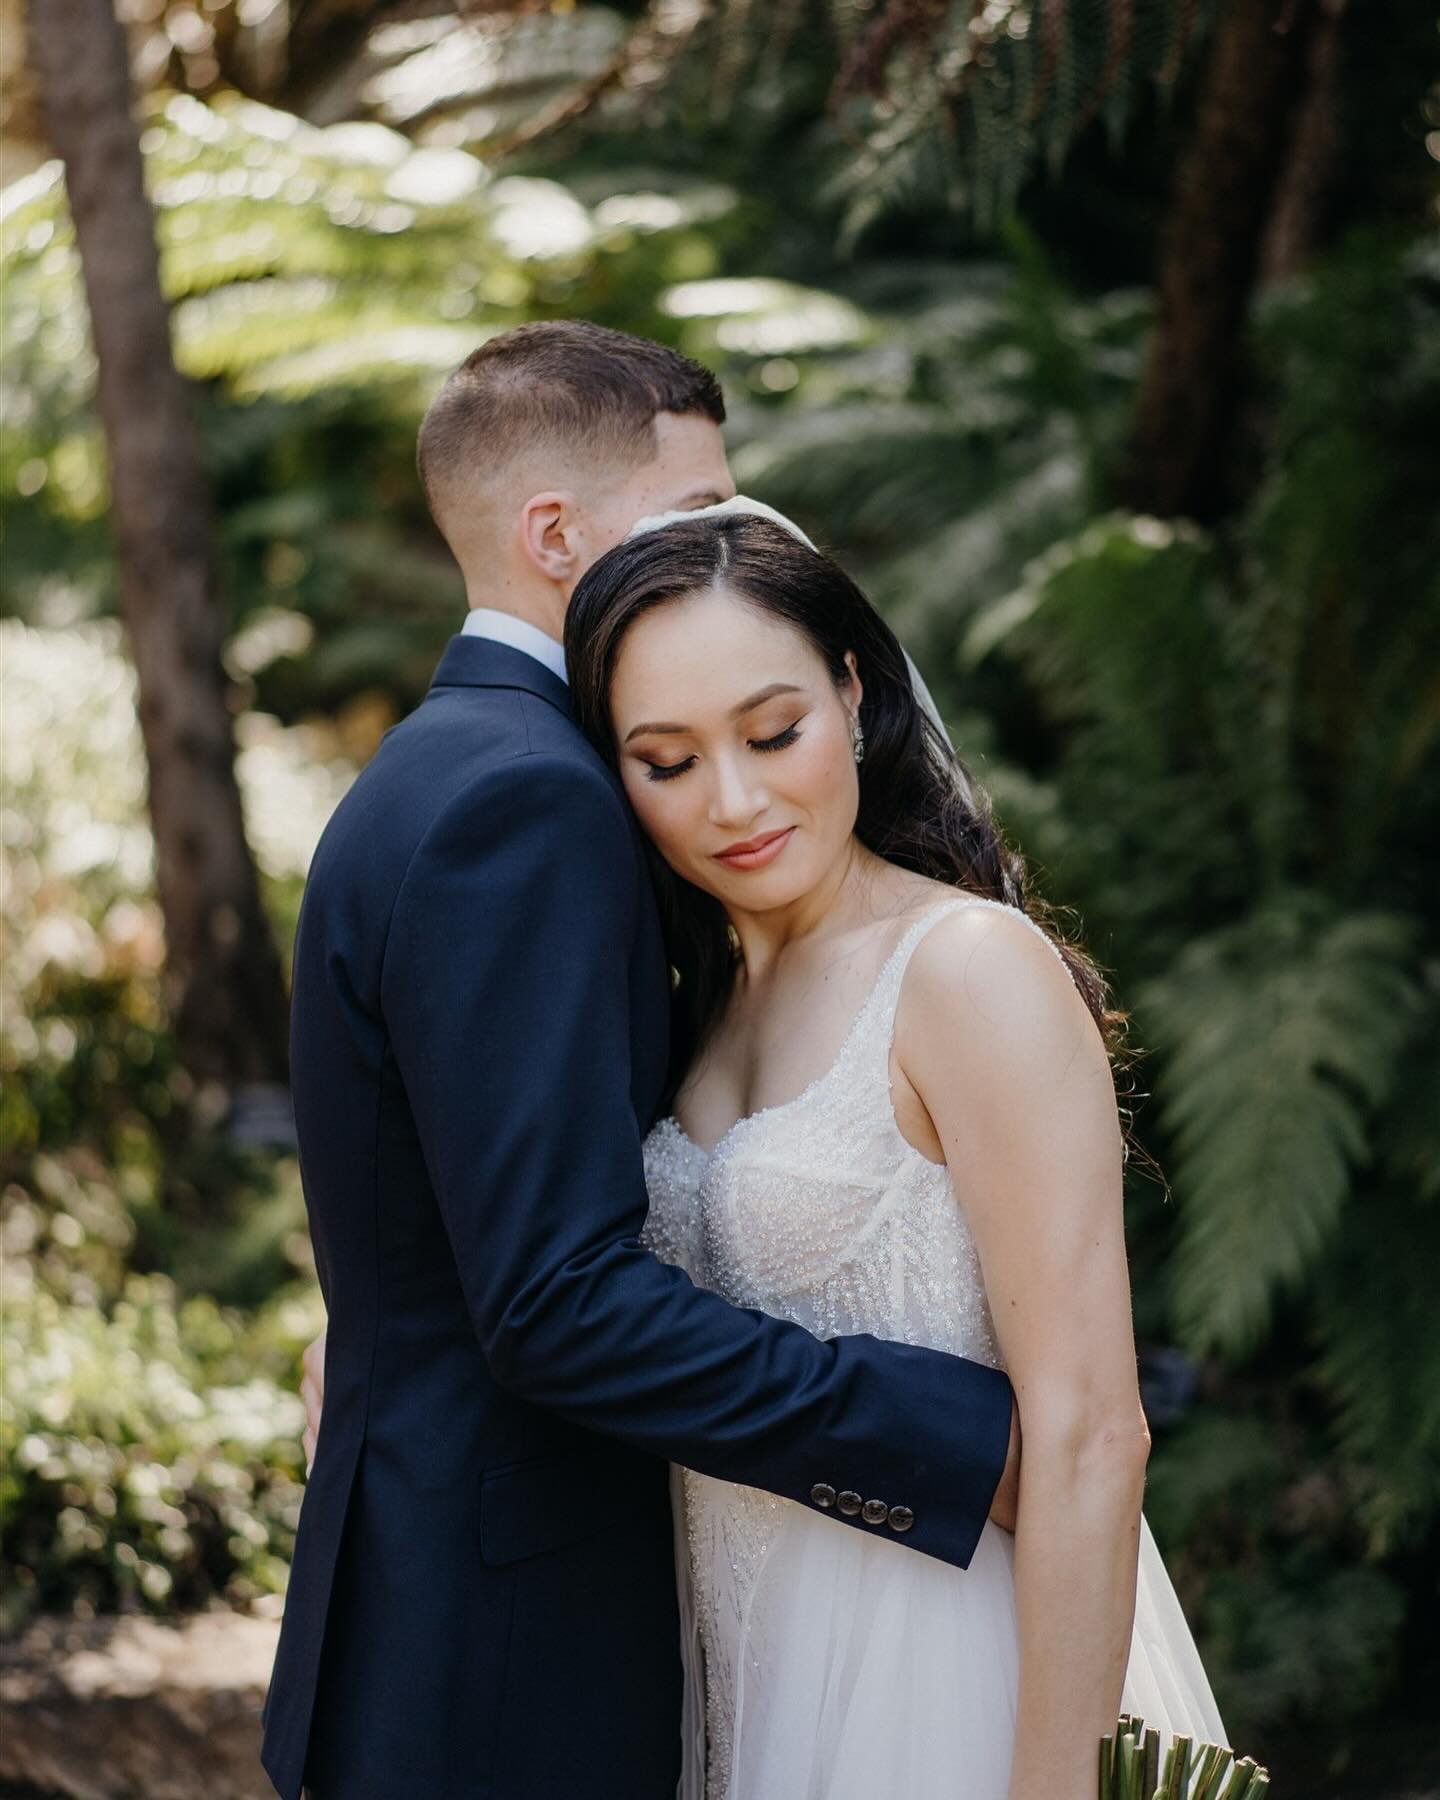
{"points": [[781, 741]]}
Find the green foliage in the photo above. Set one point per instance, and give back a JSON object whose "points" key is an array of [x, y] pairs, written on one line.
{"points": [[1379, 1361], [1257, 1521], [1245, 758], [1218, 1472], [1345, 542], [150, 1447], [323, 283], [953, 105], [149, 1432], [1303, 1638], [964, 436], [1282, 1037], [1122, 630], [1219, 750], [156, 1291], [82, 1040]]}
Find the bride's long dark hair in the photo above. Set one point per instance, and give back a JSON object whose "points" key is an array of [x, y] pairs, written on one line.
{"points": [[920, 808]]}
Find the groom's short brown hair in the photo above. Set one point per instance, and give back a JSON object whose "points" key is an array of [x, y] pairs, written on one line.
{"points": [[557, 386]]}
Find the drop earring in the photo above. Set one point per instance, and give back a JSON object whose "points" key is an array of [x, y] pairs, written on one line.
{"points": [[857, 740]]}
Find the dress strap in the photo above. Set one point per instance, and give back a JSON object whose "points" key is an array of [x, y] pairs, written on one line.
{"points": [[886, 996], [864, 1052]]}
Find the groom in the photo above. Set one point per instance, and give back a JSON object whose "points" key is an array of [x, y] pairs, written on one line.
{"points": [[482, 1601]]}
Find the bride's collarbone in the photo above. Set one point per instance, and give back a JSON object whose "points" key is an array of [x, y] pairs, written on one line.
{"points": [[765, 1055], [768, 1052]]}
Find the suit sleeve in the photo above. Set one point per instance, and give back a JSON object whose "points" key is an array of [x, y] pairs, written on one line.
{"points": [[505, 990]]}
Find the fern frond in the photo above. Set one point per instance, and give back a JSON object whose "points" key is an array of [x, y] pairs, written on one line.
{"points": [[945, 578], [1139, 586], [1374, 1313], [494, 74], [372, 354], [1279, 1040], [311, 269], [1409, 1138], [906, 160], [895, 462], [999, 86]]}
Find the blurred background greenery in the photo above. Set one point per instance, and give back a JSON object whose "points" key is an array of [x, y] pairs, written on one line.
{"points": [[1102, 341]]}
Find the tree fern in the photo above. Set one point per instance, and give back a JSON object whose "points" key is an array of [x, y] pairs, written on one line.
{"points": [[1120, 633], [1374, 1305], [960, 100], [321, 269], [1409, 1138], [938, 101], [962, 439], [1380, 1358], [1279, 1041], [1355, 392], [905, 158]]}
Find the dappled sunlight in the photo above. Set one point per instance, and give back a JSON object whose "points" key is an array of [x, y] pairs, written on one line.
{"points": [[768, 318], [1205, 721], [538, 218], [78, 858]]}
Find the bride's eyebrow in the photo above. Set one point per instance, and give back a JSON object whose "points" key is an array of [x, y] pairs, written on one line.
{"points": [[736, 712]]}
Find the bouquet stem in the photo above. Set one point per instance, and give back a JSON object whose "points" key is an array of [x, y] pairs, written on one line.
{"points": [[1129, 1768]]}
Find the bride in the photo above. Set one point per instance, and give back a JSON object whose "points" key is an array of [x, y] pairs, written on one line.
{"points": [[892, 1111]]}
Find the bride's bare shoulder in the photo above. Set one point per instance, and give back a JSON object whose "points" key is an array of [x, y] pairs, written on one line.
{"points": [[987, 979]]}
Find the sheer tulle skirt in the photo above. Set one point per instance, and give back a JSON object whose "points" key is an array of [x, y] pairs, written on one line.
{"points": [[1165, 1682], [851, 1667]]}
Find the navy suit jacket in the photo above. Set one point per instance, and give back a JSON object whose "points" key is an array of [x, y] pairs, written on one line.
{"points": [[482, 1601]]}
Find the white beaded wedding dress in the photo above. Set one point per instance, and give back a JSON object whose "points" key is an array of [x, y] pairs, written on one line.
{"points": [[823, 1663]]}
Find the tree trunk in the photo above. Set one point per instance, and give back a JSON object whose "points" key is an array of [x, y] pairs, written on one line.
{"points": [[224, 985], [1182, 450], [1297, 220]]}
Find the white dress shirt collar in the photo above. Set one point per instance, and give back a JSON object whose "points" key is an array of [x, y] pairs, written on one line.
{"points": [[519, 634]]}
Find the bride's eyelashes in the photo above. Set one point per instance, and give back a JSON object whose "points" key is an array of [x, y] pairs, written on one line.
{"points": [[666, 771], [781, 741]]}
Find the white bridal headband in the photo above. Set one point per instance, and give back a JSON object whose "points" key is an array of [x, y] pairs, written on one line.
{"points": [[742, 503], [724, 509]]}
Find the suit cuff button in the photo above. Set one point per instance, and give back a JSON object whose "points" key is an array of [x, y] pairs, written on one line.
{"points": [[823, 1494], [875, 1512], [849, 1503], [901, 1518]]}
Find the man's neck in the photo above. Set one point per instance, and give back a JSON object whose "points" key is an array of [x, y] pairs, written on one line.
{"points": [[519, 634], [485, 610], [544, 608]]}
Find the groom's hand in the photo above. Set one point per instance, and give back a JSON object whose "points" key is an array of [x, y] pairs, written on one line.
{"points": [[312, 1392], [1006, 1504]]}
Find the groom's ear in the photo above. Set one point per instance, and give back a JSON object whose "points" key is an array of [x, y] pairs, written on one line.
{"points": [[551, 537]]}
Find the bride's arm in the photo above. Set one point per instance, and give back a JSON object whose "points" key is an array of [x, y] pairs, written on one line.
{"points": [[1004, 1054]]}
